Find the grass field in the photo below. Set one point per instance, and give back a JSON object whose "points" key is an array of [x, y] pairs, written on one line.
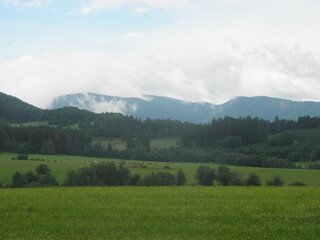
{"points": [[43, 123], [30, 124], [160, 213], [60, 165], [120, 145]]}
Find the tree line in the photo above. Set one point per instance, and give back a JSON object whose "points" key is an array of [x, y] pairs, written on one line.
{"points": [[109, 174], [102, 174], [212, 142], [223, 176]]}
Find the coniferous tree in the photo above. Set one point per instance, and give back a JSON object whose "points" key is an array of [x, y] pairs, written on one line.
{"points": [[181, 178]]}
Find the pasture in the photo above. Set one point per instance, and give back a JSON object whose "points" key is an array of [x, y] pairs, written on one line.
{"points": [[160, 213], [60, 165], [119, 144], [43, 123]]}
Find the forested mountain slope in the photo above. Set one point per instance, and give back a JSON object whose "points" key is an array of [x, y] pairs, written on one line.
{"points": [[13, 110], [243, 141]]}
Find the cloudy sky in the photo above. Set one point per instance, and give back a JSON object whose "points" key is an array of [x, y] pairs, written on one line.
{"points": [[194, 50]]}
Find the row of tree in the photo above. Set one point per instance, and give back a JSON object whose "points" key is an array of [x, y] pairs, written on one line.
{"points": [[223, 176], [41, 178], [108, 174]]}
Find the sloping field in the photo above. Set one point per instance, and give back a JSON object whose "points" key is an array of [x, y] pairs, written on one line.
{"points": [[60, 165], [119, 144], [160, 213]]}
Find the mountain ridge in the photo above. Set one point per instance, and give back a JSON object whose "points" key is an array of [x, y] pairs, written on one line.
{"points": [[160, 107], [15, 110]]}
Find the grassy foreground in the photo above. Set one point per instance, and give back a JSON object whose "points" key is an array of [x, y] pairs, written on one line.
{"points": [[160, 213]]}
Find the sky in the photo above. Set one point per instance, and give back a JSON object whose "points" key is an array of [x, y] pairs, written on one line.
{"points": [[193, 50]]}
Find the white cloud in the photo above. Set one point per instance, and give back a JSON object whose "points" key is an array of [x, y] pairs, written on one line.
{"points": [[139, 6], [100, 105], [141, 9], [214, 76], [245, 47], [119, 106]]}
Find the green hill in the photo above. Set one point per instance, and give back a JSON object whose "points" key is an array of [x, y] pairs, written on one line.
{"points": [[13, 110]]}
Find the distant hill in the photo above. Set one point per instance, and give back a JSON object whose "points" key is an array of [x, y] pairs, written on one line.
{"points": [[14, 110], [268, 108], [153, 107], [157, 107]]}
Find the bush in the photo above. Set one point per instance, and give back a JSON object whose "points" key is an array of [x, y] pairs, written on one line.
{"points": [[253, 180], [47, 180], [236, 180], [297, 183], [275, 181], [134, 180], [18, 180], [42, 169], [205, 175], [314, 166], [181, 178], [224, 175], [31, 179], [158, 179], [22, 157]]}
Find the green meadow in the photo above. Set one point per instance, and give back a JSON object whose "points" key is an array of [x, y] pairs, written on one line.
{"points": [[160, 213], [60, 165], [43, 123], [119, 144]]}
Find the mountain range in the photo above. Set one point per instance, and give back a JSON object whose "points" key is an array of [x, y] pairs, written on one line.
{"points": [[13, 109], [159, 107]]}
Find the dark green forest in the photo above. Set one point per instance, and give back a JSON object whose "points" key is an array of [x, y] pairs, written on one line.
{"points": [[244, 141]]}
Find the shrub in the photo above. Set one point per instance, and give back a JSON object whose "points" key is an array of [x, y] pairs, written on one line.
{"points": [[275, 181], [236, 180], [31, 179], [297, 183], [205, 175], [22, 157], [42, 169], [47, 180], [158, 179], [134, 180], [253, 180], [18, 180], [224, 175], [181, 178]]}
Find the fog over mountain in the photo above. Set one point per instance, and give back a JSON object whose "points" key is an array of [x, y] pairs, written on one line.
{"points": [[158, 107], [194, 50]]}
